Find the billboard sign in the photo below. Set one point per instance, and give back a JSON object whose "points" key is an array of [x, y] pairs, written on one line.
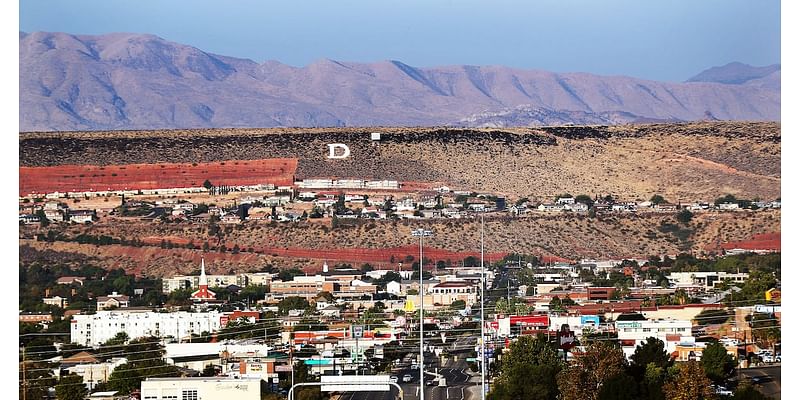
{"points": [[357, 383]]}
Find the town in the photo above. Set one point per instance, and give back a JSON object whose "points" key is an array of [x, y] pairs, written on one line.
{"points": [[340, 199], [109, 335]]}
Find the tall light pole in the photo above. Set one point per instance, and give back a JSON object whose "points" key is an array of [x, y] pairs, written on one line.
{"points": [[483, 335], [421, 233]]}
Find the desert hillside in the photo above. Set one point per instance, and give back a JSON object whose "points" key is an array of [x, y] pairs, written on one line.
{"points": [[682, 162], [384, 243]]}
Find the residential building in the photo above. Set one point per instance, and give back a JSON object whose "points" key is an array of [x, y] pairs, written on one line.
{"points": [[114, 300], [95, 329], [446, 293], [35, 318], [82, 216], [68, 280], [95, 373], [57, 301]]}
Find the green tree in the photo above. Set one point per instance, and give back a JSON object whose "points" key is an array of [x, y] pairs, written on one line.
{"points": [[684, 216], [717, 363], [43, 221], [144, 359], [207, 184], [620, 387], [690, 383], [458, 305], [653, 382], [651, 352], [528, 371], [584, 378], [657, 199], [118, 339], [37, 379], [292, 303], [71, 387]]}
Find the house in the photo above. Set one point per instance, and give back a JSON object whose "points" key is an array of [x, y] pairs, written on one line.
{"points": [[578, 207], [666, 207], [57, 301], [230, 218], [28, 219], [406, 204], [431, 213], [113, 300], [565, 200], [35, 318], [551, 207], [330, 311], [82, 216], [393, 287], [452, 212], [95, 372], [68, 280], [518, 209], [729, 206]]}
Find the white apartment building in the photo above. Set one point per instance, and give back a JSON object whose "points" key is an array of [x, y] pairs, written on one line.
{"points": [[95, 329], [671, 332], [201, 388], [707, 280]]}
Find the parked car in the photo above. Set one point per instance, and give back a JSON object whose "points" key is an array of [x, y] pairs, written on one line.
{"points": [[722, 390], [407, 378], [393, 379]]}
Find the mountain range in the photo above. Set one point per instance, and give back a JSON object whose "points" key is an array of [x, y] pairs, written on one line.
{"points": [[138, 81]]}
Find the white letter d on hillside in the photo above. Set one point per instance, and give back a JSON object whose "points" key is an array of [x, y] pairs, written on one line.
{"points": [[332, 150]]}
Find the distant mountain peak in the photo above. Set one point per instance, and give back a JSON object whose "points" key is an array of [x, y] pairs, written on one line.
{"points": [[132, 81], [734, 73]]}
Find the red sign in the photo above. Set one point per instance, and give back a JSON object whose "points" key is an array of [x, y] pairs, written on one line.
{"points": [[530, 320]]}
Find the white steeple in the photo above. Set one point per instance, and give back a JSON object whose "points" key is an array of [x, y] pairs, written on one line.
{"points": [[325, 267], [203, 279]]}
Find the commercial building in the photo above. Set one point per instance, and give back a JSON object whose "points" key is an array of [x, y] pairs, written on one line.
{"points": [[632, 333], [201, 388]]}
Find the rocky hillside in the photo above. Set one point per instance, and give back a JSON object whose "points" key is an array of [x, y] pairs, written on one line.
{"points": [[259, 244], [682, 162]]}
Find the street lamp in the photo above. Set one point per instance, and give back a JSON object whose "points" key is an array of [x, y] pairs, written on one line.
{"points": [[483, 334], [421, 233]]}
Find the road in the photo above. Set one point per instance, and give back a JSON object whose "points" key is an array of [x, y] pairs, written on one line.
{"points": [[772, 387]]}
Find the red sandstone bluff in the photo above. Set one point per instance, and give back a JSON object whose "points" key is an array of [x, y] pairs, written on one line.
{"points": [[83, 178]]}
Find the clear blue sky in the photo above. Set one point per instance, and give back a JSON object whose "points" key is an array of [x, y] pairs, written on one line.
{"points": [[654, 39]]}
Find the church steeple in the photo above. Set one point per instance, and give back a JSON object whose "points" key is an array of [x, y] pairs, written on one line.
{"points": [[202, 292], [203, 279]]}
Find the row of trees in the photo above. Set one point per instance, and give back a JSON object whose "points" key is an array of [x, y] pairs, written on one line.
{"points": [[533, 370]]}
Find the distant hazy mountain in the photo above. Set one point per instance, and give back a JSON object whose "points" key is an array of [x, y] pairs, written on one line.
{"points": [[735, 73], [133, 81]]}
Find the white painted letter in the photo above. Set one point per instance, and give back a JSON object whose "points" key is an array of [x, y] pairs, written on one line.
{"points": [[332, 150]]}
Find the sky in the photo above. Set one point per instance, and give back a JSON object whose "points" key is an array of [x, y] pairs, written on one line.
{"points": [[668, 40]]}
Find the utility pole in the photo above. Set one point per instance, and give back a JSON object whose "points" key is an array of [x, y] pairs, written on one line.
{"points": [[421, 233], [24, 376], [483, 324]]}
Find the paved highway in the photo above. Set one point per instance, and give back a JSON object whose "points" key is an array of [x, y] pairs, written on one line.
{"points": [[772, 387]]}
